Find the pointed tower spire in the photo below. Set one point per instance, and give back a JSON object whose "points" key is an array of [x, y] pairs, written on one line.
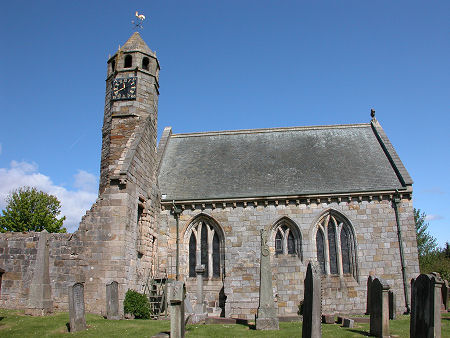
{"points": [[135, 43]]}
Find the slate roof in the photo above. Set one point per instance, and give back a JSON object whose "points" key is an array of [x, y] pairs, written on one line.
{"points": [[279, 162]]}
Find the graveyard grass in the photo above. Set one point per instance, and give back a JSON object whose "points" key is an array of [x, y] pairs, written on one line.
{"points": [[14, 323]]}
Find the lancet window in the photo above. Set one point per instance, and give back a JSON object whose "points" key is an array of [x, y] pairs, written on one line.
{"points": [[288, 239], [205, 247], [335, 245]]}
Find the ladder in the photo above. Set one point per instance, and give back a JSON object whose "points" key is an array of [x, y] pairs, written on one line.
{"points": [[155, 289]]}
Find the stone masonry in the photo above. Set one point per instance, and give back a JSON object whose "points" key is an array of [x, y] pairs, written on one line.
{"points": [[129, 233], [376, 240]]}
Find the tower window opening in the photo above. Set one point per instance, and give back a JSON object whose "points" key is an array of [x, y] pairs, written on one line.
{"points": [[128, 61], [145, 63], [113, 65]]}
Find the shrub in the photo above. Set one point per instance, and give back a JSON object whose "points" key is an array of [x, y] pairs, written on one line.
{"points": [[137, 304]]}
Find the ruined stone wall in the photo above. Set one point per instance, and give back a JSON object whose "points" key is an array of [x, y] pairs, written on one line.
{"points": [[18, 256], [377, 251]]}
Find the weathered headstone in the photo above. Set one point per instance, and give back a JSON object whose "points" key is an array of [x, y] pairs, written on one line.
{"points": [[392, 305], [379, 308], [40, 298], [266, 318], [369, 284], [348, 322], [176, 295], [312, 303], [426, 315], [445, 294], [412, 316], [76, 308], [328, 319], [200, 314], [112, 301]]}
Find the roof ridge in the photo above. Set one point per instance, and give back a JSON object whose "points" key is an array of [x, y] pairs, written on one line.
{"points": [[268, 130]]}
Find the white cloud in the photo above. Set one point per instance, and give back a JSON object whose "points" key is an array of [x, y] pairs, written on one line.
{"points": [[433, 217], [86, 181], [74, 203]]}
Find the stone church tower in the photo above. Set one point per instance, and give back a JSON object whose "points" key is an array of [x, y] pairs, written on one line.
{"points": [[118, 231]]}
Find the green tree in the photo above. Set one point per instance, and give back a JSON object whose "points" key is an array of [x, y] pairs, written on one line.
{"points": [[431, 257], [29, 209], [426, 244]]}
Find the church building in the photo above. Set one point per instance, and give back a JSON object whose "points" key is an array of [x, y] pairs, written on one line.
{"points": [[335, 195]]}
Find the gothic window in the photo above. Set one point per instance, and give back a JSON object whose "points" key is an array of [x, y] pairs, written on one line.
{"points": [[335, 245], [192, 258], [145, 63], [113, 65], [205, 247], [332, 248], [128, 61], [320, 250], [288, 240], [279, 243], [346, 250]]}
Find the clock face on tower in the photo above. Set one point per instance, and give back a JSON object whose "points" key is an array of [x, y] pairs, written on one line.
{"points": [[124, 88]]}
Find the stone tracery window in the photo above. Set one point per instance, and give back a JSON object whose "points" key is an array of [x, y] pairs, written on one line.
{"points": [[335, 245], [288, 239], [205, 247]]}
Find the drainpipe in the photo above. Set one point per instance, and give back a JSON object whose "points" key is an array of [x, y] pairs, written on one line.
{"points": [[396, 204], [176, 214]]}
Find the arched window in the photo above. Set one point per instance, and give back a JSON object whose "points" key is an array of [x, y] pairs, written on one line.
{"points": [[320, 250], [288, 239], [128, 61], [145, 63], [335, 245], [205, 247]]}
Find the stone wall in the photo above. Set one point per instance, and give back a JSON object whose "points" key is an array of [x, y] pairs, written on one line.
{"points": [[377, 251], [18, 257]]}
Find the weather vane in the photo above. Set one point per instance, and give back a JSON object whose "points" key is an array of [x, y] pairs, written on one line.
{"points": [[138, 22]]}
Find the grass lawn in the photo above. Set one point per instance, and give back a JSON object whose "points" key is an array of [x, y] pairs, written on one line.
{"points": [[15, 324]]}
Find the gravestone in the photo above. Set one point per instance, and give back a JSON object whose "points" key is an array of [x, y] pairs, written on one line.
{"points": [[392, 305], [76, 308], [379, 308], [426, 315], [312, 303], [369, 284], [413, 302], [328, 319], [40, 298], [266, 318], [112, 301], [200, 314], [176, 295], [445, 295], [348, 323]]}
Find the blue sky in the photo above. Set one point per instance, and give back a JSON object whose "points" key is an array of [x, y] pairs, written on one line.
{"points": [[225, 65]]}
